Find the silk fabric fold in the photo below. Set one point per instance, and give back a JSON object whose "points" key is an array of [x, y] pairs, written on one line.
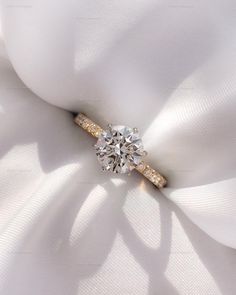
{"points": [[165, 67]]}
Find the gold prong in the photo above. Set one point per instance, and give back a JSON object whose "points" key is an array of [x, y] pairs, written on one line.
{"points": [[145, 153]]}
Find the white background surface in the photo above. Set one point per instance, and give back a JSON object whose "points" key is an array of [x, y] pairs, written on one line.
{"points": [[67, 228]]}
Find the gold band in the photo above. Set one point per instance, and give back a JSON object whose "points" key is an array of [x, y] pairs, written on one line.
{"points": [[88, 125], [95, 130]]}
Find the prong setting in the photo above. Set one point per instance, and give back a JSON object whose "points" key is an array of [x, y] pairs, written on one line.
{"points": [[119, 149]]}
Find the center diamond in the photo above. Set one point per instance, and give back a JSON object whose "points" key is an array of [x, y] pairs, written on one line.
{"points": [[119, 149]]}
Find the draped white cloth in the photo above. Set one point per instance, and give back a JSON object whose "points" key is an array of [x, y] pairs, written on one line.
{"points": [[167, 67]]}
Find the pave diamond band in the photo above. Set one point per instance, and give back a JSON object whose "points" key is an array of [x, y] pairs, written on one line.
{"points": [[120, 149], [88, 125]]}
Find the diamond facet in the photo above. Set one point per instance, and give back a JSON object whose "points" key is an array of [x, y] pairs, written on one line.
{"points": [[119, 149]]}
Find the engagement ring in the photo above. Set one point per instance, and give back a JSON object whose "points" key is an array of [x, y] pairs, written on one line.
{"points": [[119, 149]]}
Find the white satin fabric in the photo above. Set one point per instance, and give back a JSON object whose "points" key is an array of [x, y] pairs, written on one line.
{"points": [[167, 67]]}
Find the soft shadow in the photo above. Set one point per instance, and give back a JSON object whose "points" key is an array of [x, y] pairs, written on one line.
{"points": [[47, 260], [197, 151], [28, 120], [153, 261], [165, 59], [219, 260]]}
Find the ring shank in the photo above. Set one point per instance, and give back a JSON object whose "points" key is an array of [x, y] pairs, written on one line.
{"points": [[151, 174], [95, 130], [88, 125]]}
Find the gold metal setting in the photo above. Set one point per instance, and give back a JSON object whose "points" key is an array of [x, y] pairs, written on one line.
{"points": [[95, 130]]}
